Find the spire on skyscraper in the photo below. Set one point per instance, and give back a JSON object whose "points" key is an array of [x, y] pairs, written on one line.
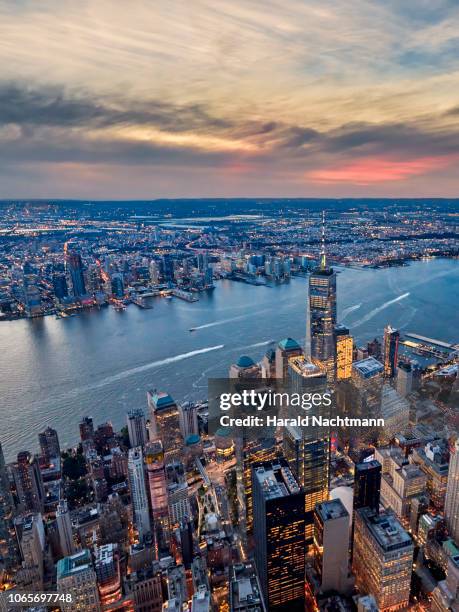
{"points": [[323, 257]]}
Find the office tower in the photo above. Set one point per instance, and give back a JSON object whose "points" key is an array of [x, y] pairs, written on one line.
{"points": [[86, 429], [31, 537], [367, 485], [29, 483], [75, 269], [118, 285], [139, 499], [367, 382], [108, 574], [382, 558], [32, 296], [452, 494], [8, 544], [390, 351], [137, 428], [395, 410], [445, 597], [433, 459], [285, 350], [321, 312], [400, 487], [76, 576], [164, 422], [253, 452], [60, 286], [331, 546], [307, 450], [188, 419], [154, 272], [374, 349], [49, 444], [245, 591], [404, 380], [200, 601], [186, 541], [64, 527], [278, 511], [144, 586], [245, 367], [156, 482], [177, 493], [268, 364], [344, 346]]}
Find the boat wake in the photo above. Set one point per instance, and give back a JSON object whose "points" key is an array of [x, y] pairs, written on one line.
{"points": [[348, 310], [375, 311]]}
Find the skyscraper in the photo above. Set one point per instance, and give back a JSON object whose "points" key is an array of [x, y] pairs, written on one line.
{"points": [[390, 351], [452, 494], [321, 312], [49, 444], [344, 345], [383, 558], [29, 483], [139, 498], [75, 269], [285, 350], [308, 451], [331, 546], [64, 527], [137, 428], [8, 543], [278, 510], [367, 485]]}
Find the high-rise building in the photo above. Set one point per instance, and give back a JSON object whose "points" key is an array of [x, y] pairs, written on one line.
{"points": [[367, 485], [390, 351], [31, 537], [156, 482], [49, 444], [165, 422], [139, 498], [108, 573], [117, 285], [244, 591], [245, 367], [137, 428], [452, 494], [382, 558], [29, 483], [268, 364], [331, 546], [188, 418], [8, 544], [278, 511], [308, 451], [144, 586], [75, 269], [253, 452], [344, 345], [404, 380], [321, 312], [285, 350], [76, 577], [86, 429], [433, 459], [64, 527]]}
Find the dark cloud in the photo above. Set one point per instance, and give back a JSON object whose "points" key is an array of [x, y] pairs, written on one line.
{"points": [[45, 115]]}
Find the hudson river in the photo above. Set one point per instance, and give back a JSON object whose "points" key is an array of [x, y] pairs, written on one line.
{"points": [[101, 363]]}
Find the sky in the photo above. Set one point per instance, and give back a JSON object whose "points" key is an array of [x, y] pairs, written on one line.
{"points": [[227, 98]]}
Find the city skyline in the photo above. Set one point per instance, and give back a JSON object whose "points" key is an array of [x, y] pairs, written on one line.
{"points": [[213, 99]]}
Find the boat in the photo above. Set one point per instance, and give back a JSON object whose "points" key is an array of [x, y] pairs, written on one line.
{"points": [[192, 329]]}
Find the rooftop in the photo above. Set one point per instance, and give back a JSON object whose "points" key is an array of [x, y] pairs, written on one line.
{"points": [[386, 529], [369, 367], [289, 344], [245, 589], [69, 566], [276, 479], [245, 362], [332, 509]]}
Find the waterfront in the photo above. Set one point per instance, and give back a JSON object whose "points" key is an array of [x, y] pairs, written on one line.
{"points": [[100, 363]]}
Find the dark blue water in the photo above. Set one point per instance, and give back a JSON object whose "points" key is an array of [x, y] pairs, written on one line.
{"points": [[53, 372]]}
